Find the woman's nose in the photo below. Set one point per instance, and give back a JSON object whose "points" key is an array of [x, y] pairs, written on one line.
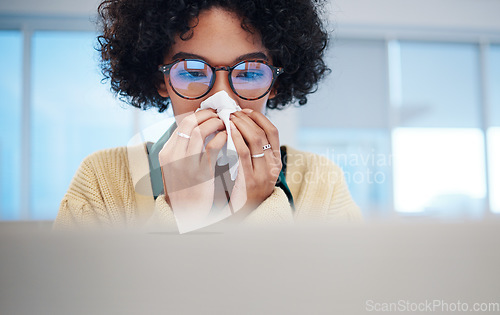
{"points": [[222, 84]]}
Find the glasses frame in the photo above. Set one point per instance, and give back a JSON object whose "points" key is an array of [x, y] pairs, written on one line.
{"points": [[275, 70]]}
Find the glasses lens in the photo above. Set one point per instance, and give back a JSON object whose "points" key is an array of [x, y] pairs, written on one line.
{"points": [[190, 78], [252, 79]]}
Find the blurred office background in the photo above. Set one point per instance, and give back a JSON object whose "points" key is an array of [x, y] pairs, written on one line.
{"points": [[411, 110]]}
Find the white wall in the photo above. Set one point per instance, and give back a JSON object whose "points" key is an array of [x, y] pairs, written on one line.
{"points": [[442, 14]]}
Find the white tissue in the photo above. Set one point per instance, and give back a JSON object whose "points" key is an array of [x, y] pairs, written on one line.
{"points": [[225, 106]]}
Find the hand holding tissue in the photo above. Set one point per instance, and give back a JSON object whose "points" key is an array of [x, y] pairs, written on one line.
{"points": [[225, 106]]}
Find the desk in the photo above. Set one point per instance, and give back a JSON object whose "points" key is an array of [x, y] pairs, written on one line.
{"points": [[324, 270]]}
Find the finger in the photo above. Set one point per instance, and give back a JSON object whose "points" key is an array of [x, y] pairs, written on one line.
{"points": [[271, 131], [242, 150], [201, 132], [187, 125], [213, 148], [273, 155], [254, 136]]}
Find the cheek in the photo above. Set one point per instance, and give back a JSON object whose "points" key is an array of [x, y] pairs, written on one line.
{"points": [[181, 105]]}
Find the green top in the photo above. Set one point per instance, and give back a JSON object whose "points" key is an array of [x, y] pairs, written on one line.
{"points": [[156, 179]]}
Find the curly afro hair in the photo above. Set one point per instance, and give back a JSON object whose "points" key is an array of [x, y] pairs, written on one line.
{"points": [[137, 34]]}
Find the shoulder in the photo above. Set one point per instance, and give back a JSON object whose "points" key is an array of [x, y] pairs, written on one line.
{"points": [[100, 191], [300, 161], [107, 154], [319, 188], [106, 161], [102, 173], [99, 170], [311, 172]]}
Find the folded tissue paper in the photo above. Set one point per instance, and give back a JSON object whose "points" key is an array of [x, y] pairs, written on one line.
{"points": [[225, 106]]}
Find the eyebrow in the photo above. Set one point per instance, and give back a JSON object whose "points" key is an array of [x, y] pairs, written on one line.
{"points": [[255, 55]]}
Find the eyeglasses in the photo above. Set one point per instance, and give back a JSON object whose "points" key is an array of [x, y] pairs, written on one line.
{"points": [[192, 78]]}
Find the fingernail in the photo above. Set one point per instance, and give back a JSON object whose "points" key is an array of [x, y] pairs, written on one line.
{"points": [[247, 110]]}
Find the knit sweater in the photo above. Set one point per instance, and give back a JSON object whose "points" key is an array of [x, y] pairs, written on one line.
{"points": [[112, 187]]}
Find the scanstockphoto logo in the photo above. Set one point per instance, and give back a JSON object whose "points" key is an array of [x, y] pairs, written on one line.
{"points": [[432, 305]]}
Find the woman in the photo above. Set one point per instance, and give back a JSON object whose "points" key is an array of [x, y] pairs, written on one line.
{"points": [[262, 53]]}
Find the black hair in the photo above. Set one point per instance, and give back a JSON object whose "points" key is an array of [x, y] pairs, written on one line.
{"points": [[137, 34]]}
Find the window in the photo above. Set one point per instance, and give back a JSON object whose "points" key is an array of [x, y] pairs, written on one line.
{"points": [[429, 139], [438, 146], [440, 85], [439, 170], [494, 130], [71, 111], [354, 95], [347, 121], [494, 170], [364, 156], [10, 123]]}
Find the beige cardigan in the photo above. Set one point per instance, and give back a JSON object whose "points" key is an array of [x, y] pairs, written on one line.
{"points": [[112, 188]]}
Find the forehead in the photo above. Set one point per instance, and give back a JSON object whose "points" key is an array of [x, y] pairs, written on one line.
{"points": [[219, 38]]}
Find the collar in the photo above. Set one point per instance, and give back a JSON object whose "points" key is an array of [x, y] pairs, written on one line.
{"points": [[154, 162]]}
